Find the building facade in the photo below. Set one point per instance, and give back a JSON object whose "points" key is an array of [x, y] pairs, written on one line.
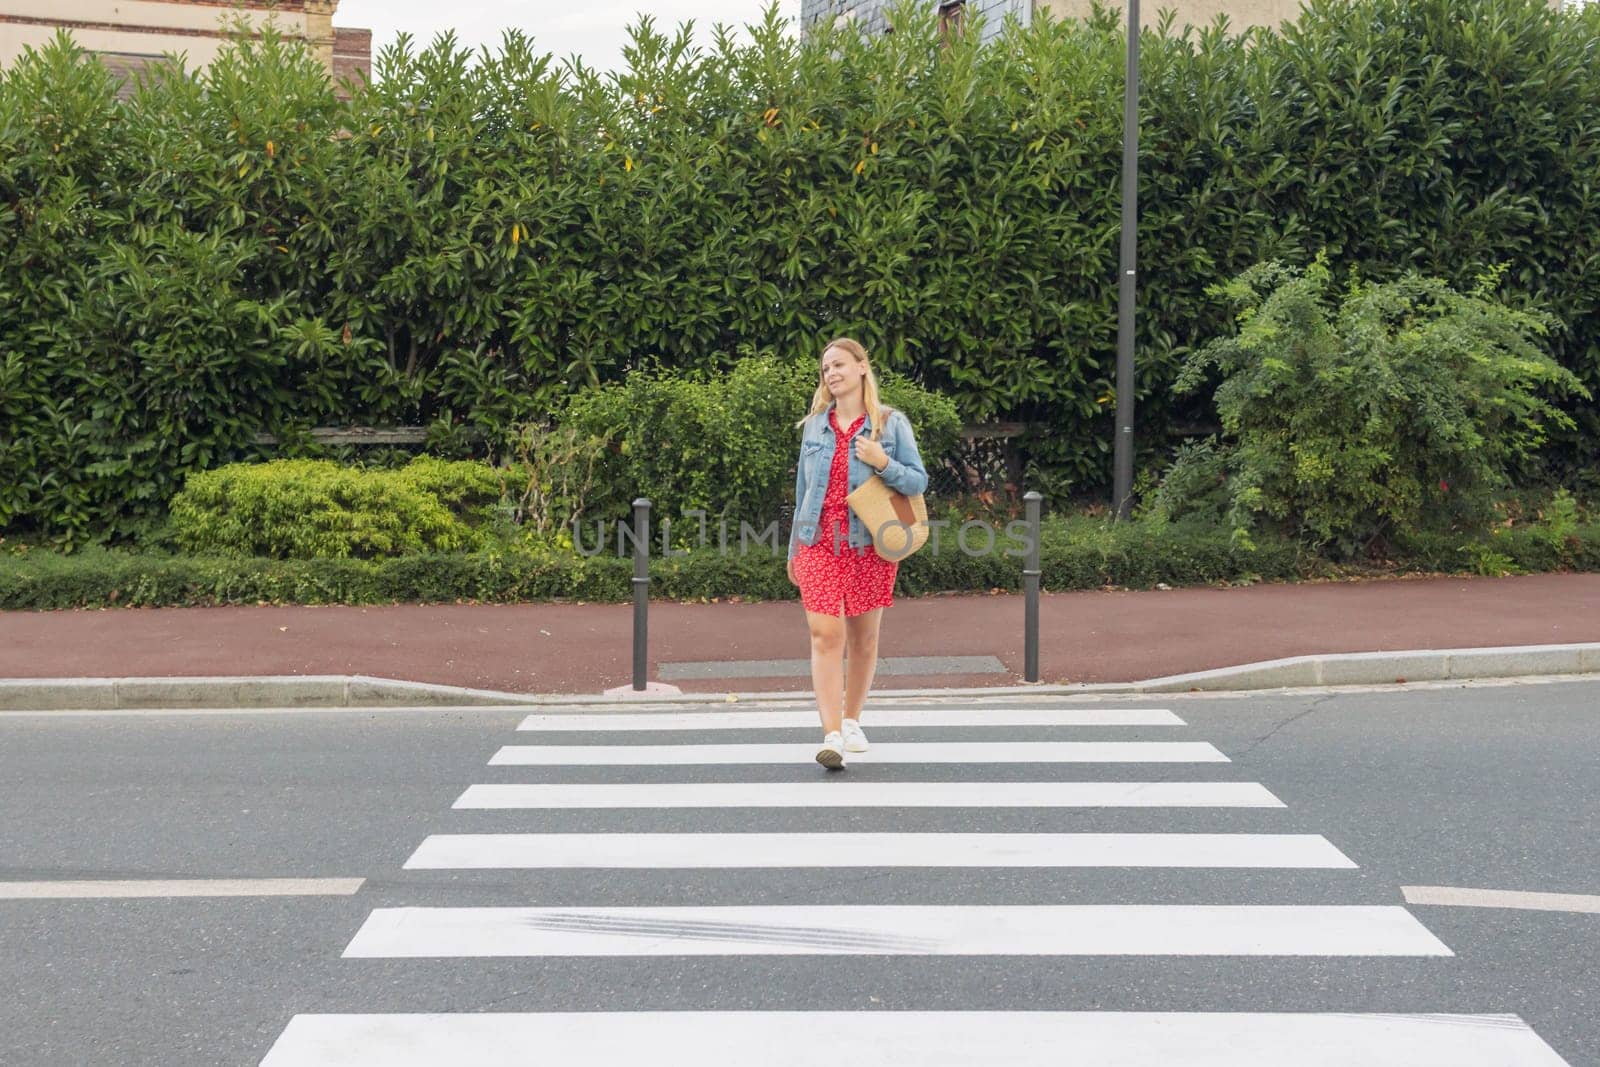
{"points": [[871, 14], [130, 34], [1241, 13]]}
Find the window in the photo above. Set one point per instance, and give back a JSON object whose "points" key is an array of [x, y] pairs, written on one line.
{"points": [[127, 66], [951, 16]]}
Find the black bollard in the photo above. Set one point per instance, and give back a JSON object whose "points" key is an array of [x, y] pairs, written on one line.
{"points": [[641, 591], [1030, 588]]}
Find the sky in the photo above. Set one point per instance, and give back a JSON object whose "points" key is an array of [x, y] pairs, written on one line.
{"points": [[594, 29]]}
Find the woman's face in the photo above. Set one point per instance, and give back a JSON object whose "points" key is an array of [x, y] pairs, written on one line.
{"points": [[841, 373]]}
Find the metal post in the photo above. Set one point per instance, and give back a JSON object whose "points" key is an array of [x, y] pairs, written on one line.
{"points": [[1122, 501], [641, 590], [1030, 588]]}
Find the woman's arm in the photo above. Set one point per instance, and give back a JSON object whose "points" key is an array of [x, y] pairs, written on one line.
{"points": [[905, 473], [799, 489]]}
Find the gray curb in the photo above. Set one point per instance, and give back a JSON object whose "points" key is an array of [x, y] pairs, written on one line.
{"points": [[1352, 668], [274, 691]]}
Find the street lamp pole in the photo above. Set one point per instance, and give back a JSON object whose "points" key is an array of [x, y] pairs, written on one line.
{"points": [[1122, 452]]}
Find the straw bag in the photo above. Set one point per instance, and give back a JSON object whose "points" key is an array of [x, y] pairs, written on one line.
{"points": [[897, 524]]}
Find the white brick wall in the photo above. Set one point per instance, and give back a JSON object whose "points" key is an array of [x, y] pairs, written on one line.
{"points": [[869, 14], [995, 11]]}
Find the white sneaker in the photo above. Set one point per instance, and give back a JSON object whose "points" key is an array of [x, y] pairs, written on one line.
{"points": [[854, 739], [831, 754]]}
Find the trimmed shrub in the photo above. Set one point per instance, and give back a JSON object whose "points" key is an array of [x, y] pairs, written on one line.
{"points": [[314, 509], [1081, 554], [469, 491]]}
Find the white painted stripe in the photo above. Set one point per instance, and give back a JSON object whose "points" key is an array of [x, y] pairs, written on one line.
{"points": [[1501, 898], [824, 793], [182, 887], [746, 720], [686, 755], [898, 930], [911, 1039], [537, 851]]}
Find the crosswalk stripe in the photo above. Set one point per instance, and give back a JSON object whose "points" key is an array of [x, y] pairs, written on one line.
{"points": [[897, 930], [715, 850], [1452, 896], [825, 793], [904, 752], [912, 1039], [745, 720]]}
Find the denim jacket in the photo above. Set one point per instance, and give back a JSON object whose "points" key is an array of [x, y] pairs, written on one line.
{"points": [[818, 442]]}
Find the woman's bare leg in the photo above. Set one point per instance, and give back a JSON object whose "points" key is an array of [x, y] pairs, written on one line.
{"points": [[827, 666], [861, 637]]}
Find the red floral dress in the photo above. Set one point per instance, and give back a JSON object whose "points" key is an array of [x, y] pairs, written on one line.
{"points": [[859, 578]]}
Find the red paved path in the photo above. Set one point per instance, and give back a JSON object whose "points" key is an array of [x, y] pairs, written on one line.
{"points": [[585, 648]]}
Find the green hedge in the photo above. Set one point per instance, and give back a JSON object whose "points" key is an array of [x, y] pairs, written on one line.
{"points": [[1080, 554], [463, 245]]}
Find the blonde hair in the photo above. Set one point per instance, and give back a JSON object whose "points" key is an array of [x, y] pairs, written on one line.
{"points": [[869, 386]]}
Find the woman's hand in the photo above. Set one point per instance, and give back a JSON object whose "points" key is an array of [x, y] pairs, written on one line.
{"points": [[871, 453], [793, 580]]}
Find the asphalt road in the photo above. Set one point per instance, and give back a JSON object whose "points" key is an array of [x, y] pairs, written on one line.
{"points": [[1490, 787]]}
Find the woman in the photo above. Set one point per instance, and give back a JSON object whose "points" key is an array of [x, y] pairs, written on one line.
{"points": [[846, 438]]}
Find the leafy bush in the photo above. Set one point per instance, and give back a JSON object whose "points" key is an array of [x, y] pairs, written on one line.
{"points": [[1558, 536], [1349, 416], [314, 509], [553, 480], [724, 443]]}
